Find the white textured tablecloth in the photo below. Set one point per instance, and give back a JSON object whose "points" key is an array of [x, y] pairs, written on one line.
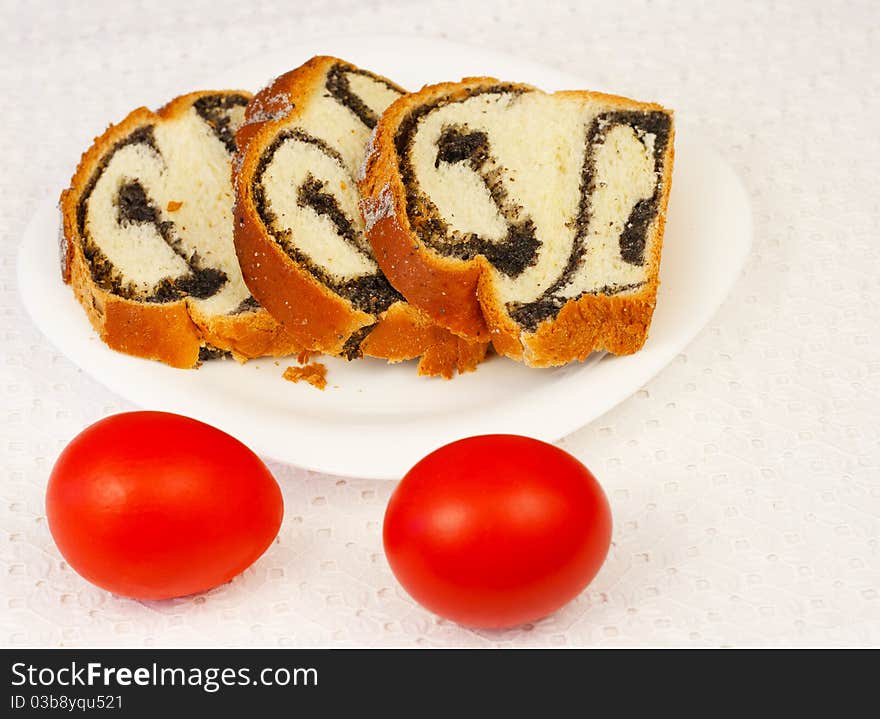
{"points": [[744, 479]]}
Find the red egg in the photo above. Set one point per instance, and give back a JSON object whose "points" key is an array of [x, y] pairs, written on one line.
{"points": [[153, 505], [497, 530]]}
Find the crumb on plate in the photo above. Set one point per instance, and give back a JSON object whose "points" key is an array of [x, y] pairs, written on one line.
{"points": [[315, 374]]}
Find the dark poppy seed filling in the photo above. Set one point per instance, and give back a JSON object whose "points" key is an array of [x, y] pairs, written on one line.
{"points": [[312, 193], [460, 144], [658, 125], [339, 87], [133, 206], [209, 352], [632, 239], [516, 244], [370, 292], [248, 304], [519, 247], [215, 110], [141, 136], [142, 209], [103, 272], [352, 348]]}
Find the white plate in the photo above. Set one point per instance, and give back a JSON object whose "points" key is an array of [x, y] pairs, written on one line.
{"points": [[375, 420]]}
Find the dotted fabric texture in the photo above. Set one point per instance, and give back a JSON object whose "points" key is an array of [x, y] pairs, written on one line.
{"points": [[744, 479]]}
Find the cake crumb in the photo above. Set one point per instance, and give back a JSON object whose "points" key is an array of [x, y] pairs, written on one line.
{"points": [[315, 374], [174, 206], [304, 356]]}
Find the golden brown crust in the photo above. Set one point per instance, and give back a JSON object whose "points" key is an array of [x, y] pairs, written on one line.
{"points": [[319, 318], [405, 333], [458, 294], [172, 332], [246, 336], [279, 102], [444, 289], [443, 358]]}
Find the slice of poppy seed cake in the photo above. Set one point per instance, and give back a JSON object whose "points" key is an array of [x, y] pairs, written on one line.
{"points": [[532, 219], [147, 237], [298, 230]]}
